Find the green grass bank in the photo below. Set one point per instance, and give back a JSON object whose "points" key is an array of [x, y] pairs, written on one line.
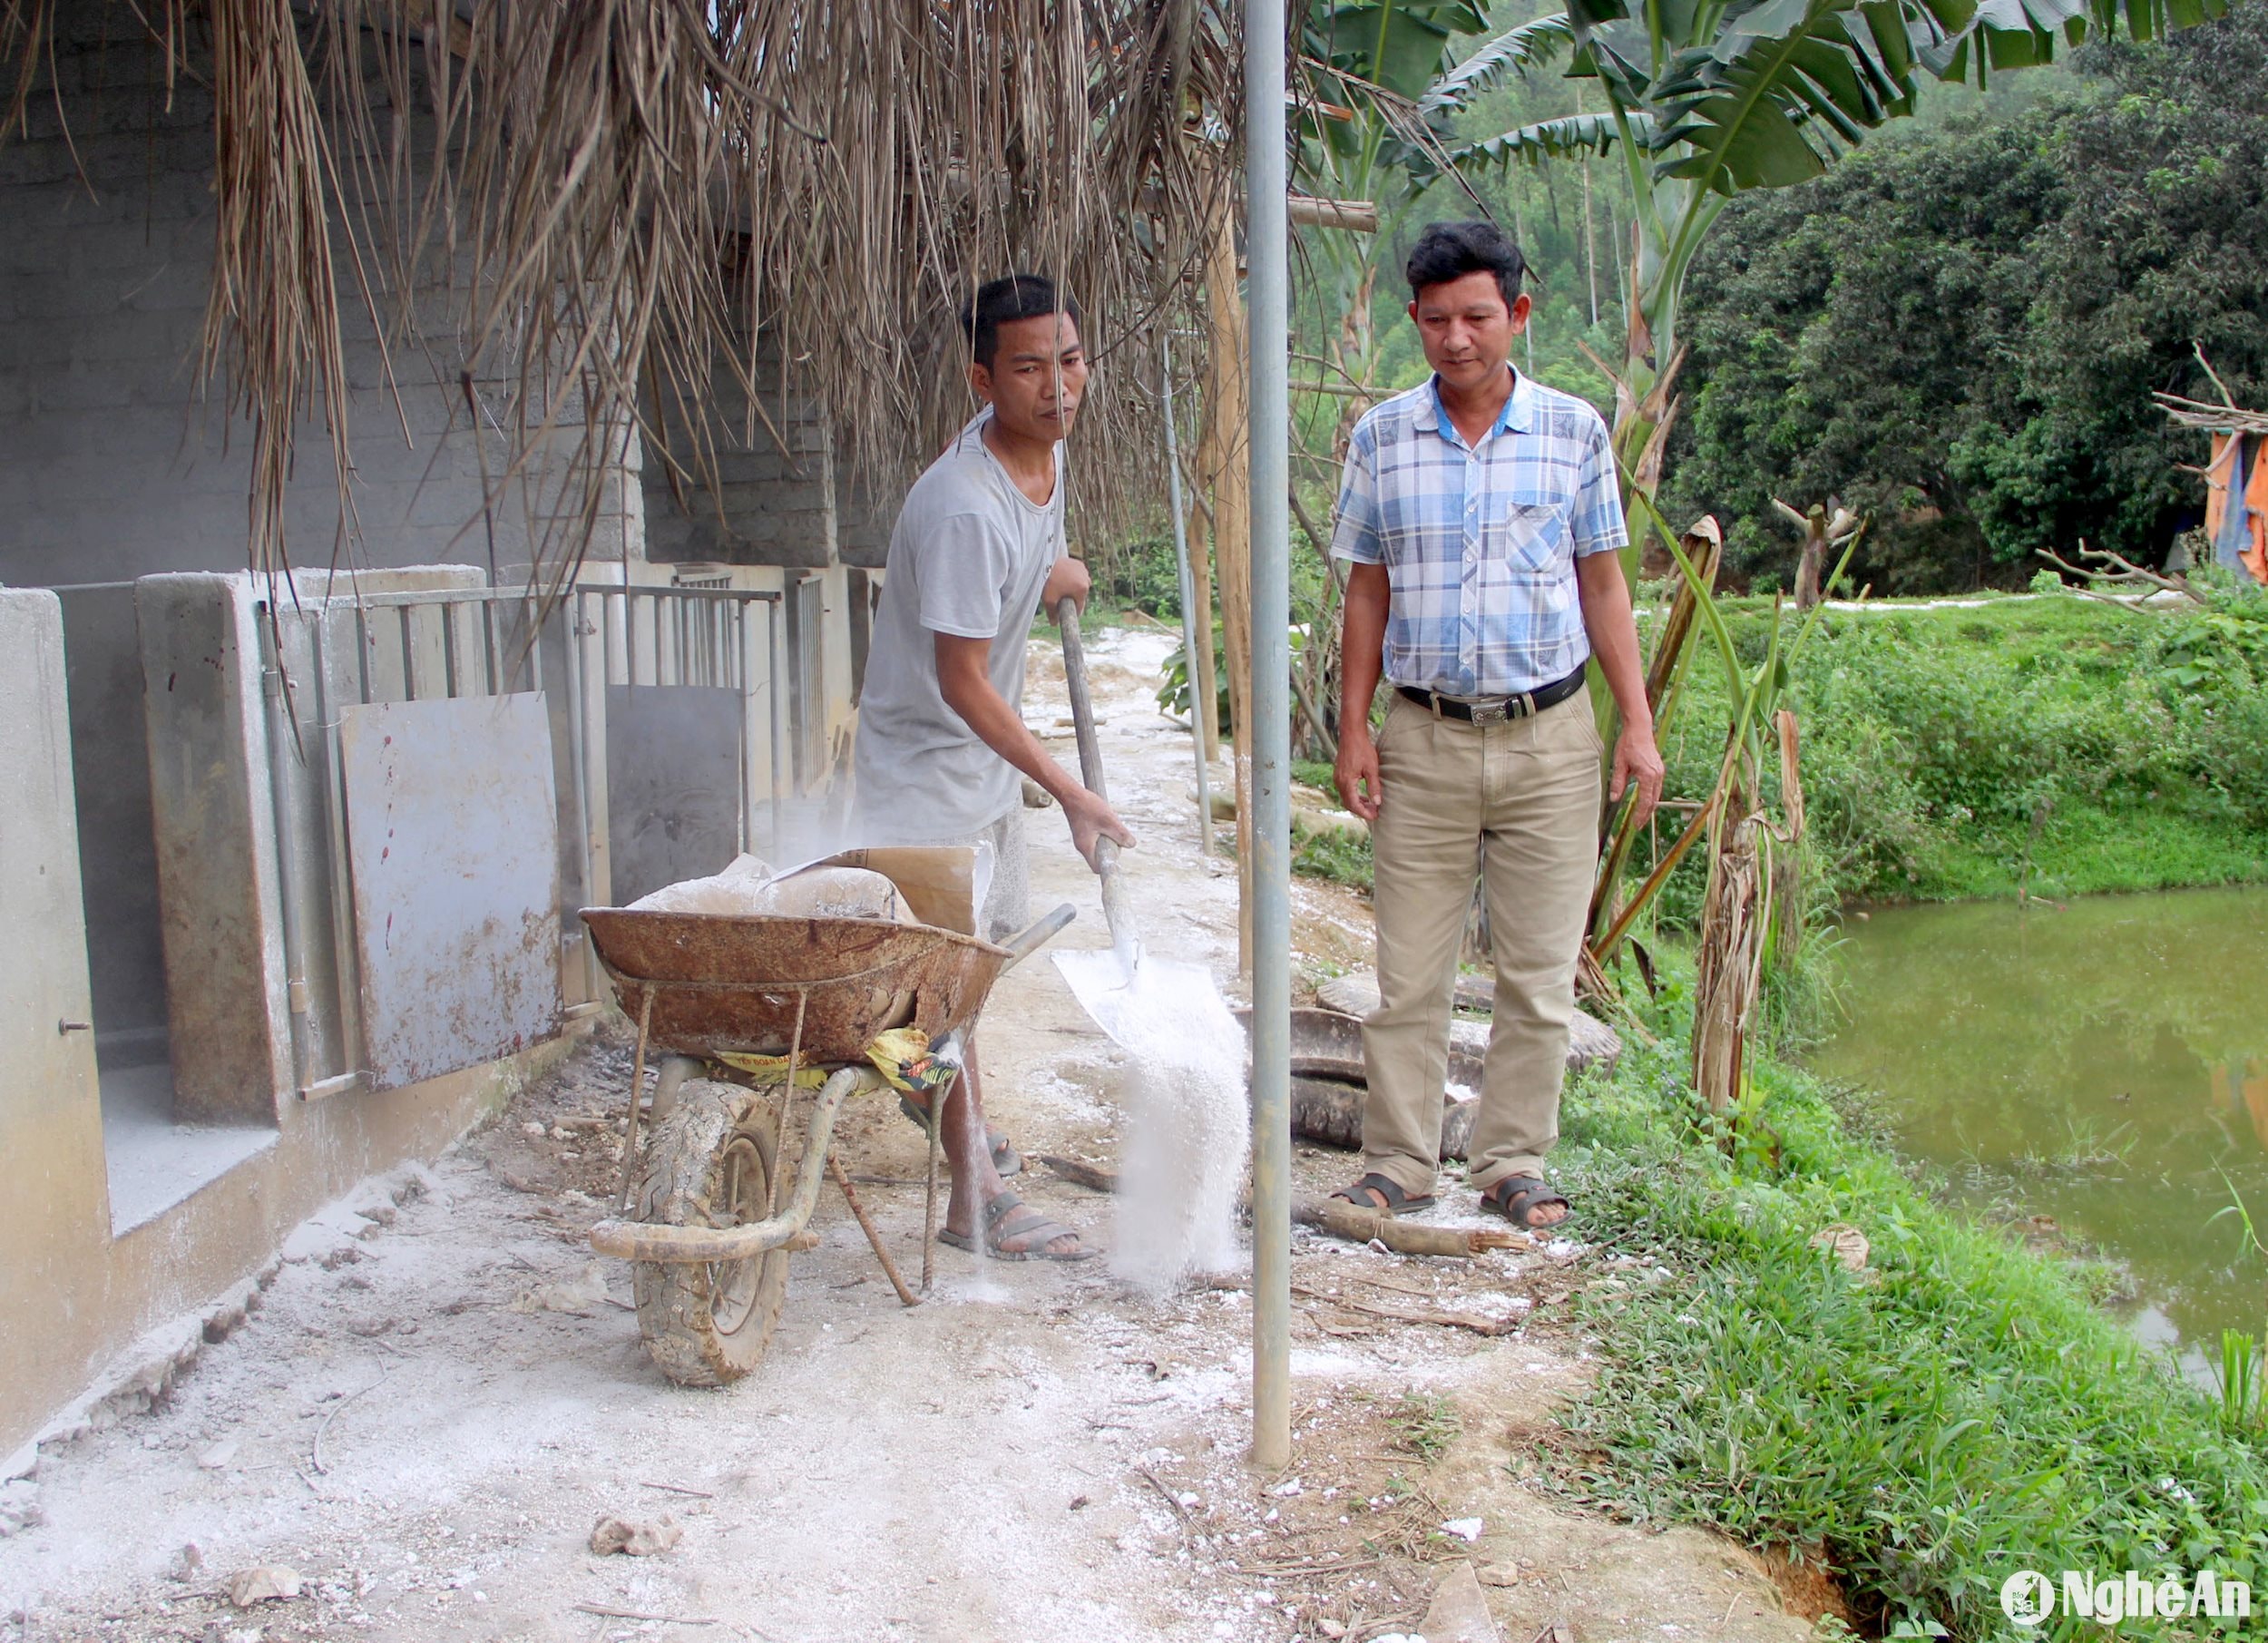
{"points": [[2056, 744], [1960, 1410]]}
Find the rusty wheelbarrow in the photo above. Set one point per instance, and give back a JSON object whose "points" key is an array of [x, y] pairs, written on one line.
{"points": [[702, 1215]]}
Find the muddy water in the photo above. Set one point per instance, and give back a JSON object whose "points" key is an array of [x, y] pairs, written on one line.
{"points": [[2105, 1065]]}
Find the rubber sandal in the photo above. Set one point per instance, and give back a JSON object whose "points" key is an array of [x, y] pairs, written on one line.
{"points": [[1517, 1197], [1001, 1222], [1397, 1201], [1006, 1159]]}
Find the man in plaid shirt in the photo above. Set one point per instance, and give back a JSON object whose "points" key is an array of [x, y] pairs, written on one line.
{"points": [[1479, 517]]}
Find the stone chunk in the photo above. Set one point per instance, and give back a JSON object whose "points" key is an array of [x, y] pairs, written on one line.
{"points": [[265, 1584], [1460, 1612]]}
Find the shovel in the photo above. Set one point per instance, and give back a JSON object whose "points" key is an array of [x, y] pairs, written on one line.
{"points": [[1103, 981], [1187, 1134], [1115, 912]]}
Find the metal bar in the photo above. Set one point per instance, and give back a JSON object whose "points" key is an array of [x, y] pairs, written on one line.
{"points": [[1190, 615], [280, 789], [929, 1191], [403, 614], [344, 1083], [534, 619], [462, 596], [874, 1238], [637, 1094], [344, 960], [1268, 241], [629, 635], [447, 618], [778, 660], [578, 772], [787, 1089], [748, 730]]}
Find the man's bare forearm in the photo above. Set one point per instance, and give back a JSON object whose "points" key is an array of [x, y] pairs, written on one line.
{"points": [[1612, 626], [1001, 728], [1362, 643]]}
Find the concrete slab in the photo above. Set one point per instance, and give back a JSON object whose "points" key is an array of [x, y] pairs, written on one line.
{"points": [[153, 1163]]}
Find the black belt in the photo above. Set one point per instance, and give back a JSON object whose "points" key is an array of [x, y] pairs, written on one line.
{"points": [[1526, 706]]}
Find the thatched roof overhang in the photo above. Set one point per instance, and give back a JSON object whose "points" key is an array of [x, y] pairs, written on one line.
{"points": [[622, 198]]}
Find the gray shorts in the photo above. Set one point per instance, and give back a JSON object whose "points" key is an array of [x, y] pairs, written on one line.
{"points": [[1007, 907]]}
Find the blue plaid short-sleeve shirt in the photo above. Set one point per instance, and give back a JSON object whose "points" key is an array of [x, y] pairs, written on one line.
{"points": [[1480, 543]]}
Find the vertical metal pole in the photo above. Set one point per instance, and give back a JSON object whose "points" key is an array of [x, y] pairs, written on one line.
{"points": [[1190, 615], [571, 604], [282, 811], [1268, 245]]}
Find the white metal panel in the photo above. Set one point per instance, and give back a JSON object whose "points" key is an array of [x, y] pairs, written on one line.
{"points": [[451, 837]]}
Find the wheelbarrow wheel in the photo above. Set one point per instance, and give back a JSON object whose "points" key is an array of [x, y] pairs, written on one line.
{"points": [[711, 1163]]}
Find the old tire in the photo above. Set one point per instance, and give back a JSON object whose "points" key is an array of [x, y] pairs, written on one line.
{"points": [[711, 1163]]}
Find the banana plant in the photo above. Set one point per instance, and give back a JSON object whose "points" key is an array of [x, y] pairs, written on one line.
{"points": [[1372, 73]]}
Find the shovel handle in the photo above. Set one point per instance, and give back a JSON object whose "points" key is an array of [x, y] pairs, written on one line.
{"points": [[1115, 912], [1082, 706]]}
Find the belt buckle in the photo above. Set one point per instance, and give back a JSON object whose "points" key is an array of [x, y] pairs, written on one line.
{"points": [[1495, 713]]}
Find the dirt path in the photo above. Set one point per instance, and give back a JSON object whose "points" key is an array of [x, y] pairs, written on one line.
{"points": [[436, 1401]]}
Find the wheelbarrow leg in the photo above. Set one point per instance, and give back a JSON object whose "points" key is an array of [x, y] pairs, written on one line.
{"points": [[637, 1094], [873, 1238], [929, 1203]]}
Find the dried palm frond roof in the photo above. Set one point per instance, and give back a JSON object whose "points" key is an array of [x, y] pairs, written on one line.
{"points": [[624, 199], [2227, 418], [2218, 418]]}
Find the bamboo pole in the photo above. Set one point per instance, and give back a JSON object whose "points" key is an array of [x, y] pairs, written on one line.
{"points": [[1193, 616]]}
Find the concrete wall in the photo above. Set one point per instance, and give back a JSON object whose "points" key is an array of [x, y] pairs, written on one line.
{"points": [[51, 1125], [71, 1296], [114, 464], [774, 499]]}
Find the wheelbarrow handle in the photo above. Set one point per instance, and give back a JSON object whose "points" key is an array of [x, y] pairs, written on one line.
{"points": [[1036, 935]]}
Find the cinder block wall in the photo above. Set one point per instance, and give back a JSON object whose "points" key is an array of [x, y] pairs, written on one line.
{"points": [[72, 1296], [116, 464], [773, 500]]}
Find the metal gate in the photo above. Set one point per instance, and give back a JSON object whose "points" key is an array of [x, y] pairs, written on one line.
{"points": [[456, 771]]}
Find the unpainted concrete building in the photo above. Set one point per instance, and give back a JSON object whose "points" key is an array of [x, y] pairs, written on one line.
{"points": [[289, 867]]}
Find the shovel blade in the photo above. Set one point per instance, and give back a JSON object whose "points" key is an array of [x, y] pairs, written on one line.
{"points": [[1133, 1003]]}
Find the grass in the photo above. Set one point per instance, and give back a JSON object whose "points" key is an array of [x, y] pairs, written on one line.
{"points": [[2058, 746], [1956, 1413], [2049, 747], [1338, 857], [1425, 1424]]}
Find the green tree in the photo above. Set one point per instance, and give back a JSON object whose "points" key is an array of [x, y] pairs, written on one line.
{"points": [[1959, 330]]}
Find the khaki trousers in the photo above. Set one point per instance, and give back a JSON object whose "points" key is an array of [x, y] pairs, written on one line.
{"points": [[1518, 802]]}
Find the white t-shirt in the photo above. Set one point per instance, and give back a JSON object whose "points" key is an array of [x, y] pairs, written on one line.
{"points": [[969, 557]]}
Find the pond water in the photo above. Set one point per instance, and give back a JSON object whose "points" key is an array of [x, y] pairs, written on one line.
{"points": [[2105, 1064]]}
